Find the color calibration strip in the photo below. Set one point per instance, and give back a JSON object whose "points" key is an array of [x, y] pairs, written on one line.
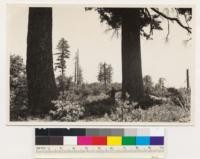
{"points": [[138, 142], [114, 137]]}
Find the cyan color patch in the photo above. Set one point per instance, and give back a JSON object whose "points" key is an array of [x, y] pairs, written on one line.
{"points": [[143, 140]]}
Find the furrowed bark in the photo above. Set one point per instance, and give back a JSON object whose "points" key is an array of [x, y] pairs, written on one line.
{"points": [[40, 74], [132, 82]]}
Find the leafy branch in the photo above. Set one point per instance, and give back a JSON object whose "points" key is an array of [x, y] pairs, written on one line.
{"points": [[189, 29]]}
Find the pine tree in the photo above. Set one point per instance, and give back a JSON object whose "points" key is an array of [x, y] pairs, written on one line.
{"points": [[63, 54], [39, 65], [132, 22]]}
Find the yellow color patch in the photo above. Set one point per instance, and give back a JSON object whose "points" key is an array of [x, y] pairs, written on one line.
{"points": [[114, 140]]}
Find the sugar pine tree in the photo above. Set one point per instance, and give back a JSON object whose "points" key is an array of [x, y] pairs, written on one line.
{"points": [[39, 65], [132, 22]]}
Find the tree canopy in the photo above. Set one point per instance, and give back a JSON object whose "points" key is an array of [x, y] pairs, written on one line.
{"points": [[149, 17]]}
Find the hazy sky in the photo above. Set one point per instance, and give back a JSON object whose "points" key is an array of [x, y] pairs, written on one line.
{"points": [[84, 31]]}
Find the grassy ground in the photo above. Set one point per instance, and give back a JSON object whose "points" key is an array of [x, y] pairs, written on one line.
{"points": [[164, 113]]}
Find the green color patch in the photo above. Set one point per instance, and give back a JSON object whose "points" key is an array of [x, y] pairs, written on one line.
{"points": [[128, 140]]}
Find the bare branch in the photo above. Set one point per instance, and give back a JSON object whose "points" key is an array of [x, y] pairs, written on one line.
{"points": [[173, 19]]}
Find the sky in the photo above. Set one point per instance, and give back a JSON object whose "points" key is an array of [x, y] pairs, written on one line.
{"points": [[84, 31]]}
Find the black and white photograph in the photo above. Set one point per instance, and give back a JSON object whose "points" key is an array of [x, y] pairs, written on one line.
{"points": [[100, 64]]}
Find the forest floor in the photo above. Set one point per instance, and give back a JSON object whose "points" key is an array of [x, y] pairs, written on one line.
{"points": [[92, 103], [163, 113]]}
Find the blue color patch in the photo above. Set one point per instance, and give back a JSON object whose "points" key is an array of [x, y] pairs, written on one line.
{"points": [[142, 140]]}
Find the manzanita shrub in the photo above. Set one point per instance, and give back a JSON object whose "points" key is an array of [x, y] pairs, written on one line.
{"points": [[127, 111], [67, 108], [98, 105]]}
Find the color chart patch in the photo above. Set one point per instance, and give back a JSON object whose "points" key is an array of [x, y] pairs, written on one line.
{"points": [[114, 137], [118, 142]]}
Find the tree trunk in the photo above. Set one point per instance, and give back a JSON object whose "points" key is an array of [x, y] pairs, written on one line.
{"points": [[132, 82], [40, 76]]}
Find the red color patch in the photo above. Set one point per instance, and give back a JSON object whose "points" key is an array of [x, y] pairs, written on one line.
{"points": [[99, 140]]}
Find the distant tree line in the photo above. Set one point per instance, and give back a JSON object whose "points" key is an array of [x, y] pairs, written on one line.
{"points": [[105, 74]]}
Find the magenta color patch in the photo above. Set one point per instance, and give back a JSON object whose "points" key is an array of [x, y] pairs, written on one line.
{"points": [[84, 140]]}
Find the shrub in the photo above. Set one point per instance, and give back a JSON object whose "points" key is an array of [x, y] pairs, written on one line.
{"points": [[64, 83], [82, 91], [123, 112], [67, 108], [181, 97], [164, 113], [98, 105], [159, 89], [129, 111], [96, 88], [116, 86], [148, 84], [18, 89]]}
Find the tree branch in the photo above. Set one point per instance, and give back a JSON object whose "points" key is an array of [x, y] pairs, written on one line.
{"points": [[177, 13], [173, 19], [186, 20], [168, 31], [151, 27]]}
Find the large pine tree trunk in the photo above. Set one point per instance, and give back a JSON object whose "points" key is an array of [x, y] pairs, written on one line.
{"points": [[132, 82], [40, 75]]}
